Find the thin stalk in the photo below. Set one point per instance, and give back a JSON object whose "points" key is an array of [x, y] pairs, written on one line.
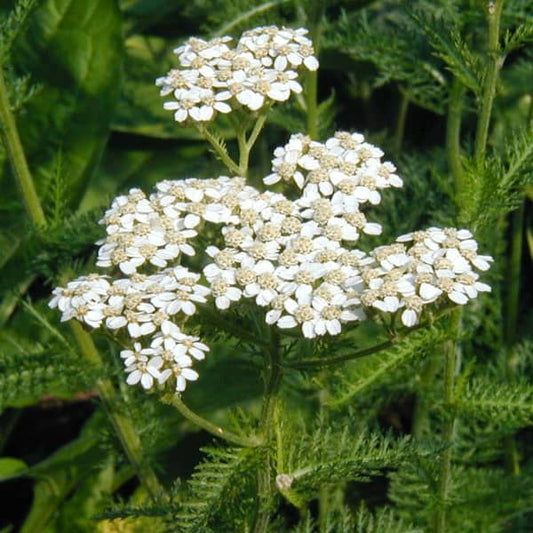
{"points": [[128, 435], [330, 361], [311, 85], [494, 64], [420, 415], [246, 144], [17, 158], [244, 153], [448, 434], [399, 130], [220, 150], [453, 135], [265, 481], [175, 401]]}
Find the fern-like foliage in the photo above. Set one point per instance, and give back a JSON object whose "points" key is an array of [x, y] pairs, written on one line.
{"points": [[451, 48], [488, 400], [364, 375], [216, 492], [495, 189], [398, 51], [12, 24], [380, 520], [26, 379], [333, 455]]}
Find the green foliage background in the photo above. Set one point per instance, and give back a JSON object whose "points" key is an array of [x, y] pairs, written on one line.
{"points": [[363, 441]]}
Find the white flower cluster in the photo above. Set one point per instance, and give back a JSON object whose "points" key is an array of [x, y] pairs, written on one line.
{"points": [[295, 258], [214, 77], [439, 263]]}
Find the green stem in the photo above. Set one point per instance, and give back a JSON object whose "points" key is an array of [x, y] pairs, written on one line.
{"points": [[311, 85], [329, 361], [175, 401], [494, 64], [125, 430], [420, 415], [450, 371], [220, 150], [265, 481], [246, 144], [256, 130], [18, 159], [400, 124], [453, 135]]}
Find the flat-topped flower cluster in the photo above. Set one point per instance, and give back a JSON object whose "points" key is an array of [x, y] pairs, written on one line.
{"points": [[296, 258], [213, 77]]}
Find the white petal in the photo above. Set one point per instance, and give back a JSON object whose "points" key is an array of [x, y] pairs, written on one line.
{"points": [[429, 292], [286, 322], [409, 318], [458, 297]]}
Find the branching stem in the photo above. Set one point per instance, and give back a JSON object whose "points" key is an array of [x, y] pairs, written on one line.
{"points": [[240, 440], [494, 64]]}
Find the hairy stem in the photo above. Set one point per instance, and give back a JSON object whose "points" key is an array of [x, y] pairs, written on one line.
{"points": [[265, 481], [450, 370], [220, 150], [493, 65], [126, 432], [453, 135], [17, 158], [175, 401]]}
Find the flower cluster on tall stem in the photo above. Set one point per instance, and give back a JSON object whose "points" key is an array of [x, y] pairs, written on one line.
{"points": [[294, 252]]}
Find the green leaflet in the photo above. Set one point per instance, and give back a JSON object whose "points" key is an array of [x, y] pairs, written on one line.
{"points": [[11, 467], [73, 51], [218, 484]]}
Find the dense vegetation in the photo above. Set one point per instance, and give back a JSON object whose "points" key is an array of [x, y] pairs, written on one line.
{"points": [[383, 428]]}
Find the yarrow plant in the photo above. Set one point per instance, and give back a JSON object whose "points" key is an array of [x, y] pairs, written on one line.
{"points": [[215, 77], [320, 314], [294, 254]]}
